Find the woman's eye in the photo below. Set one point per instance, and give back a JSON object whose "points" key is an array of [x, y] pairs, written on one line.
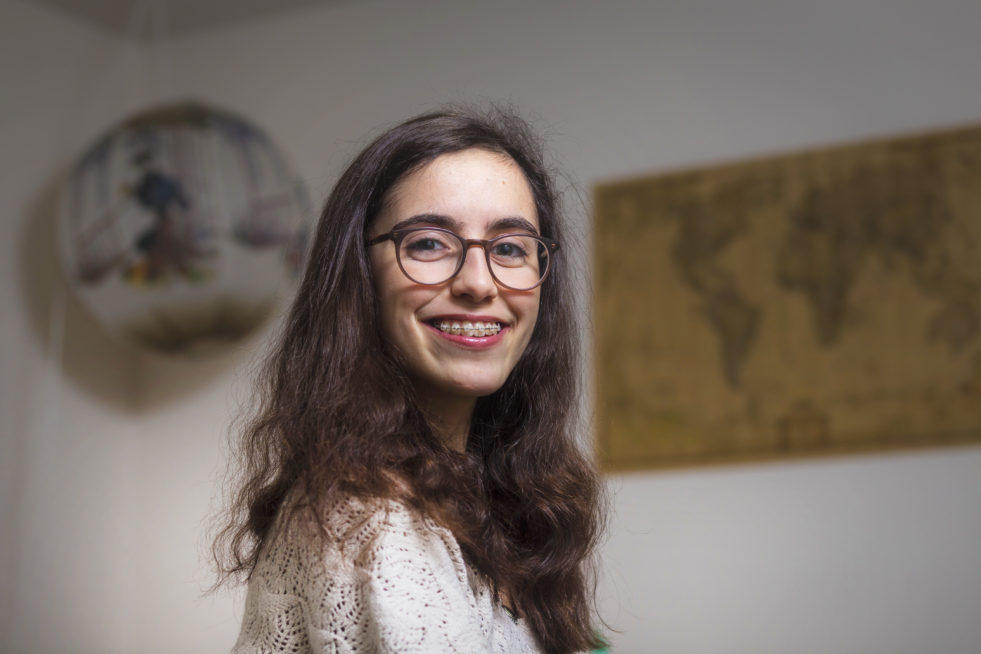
{"points": [[509, 250], [428, 246], [425, 244]]}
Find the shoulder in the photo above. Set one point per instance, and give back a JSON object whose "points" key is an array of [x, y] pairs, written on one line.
{"points": [[354, 528], [369, 543], [365, 574]]}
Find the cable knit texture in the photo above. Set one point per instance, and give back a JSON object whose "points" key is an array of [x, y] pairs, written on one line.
{"points": [[396, 582]]}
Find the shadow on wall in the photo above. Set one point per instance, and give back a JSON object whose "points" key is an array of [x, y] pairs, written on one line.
{"points": [[108, 369]]}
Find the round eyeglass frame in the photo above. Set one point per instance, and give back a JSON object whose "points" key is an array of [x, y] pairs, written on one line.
{"points": [[396, 236]]}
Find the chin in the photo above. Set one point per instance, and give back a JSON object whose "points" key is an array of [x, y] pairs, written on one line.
{"points": [[473, 388], [475, 391]]}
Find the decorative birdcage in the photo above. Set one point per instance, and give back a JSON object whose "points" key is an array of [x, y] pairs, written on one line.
{"points": [[182, 226]]}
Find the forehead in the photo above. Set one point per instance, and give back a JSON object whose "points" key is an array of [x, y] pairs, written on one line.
{"points": [[473, 188]]}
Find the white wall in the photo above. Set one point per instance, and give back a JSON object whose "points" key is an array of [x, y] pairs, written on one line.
{"points": [[67, 469], [108, 495]]}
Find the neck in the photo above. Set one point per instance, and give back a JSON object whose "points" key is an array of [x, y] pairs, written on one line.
{"points": [[450, 417]]}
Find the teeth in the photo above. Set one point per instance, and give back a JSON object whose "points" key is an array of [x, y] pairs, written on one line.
{"points": [[467, 328]]}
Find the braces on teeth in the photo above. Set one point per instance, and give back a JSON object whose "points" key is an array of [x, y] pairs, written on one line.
{"points": [[468, 328]]}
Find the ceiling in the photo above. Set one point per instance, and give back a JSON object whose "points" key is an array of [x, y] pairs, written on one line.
{"points": [[149, 19]]}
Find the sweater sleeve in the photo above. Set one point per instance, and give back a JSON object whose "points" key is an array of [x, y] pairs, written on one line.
{"points": [[409, 591], [418, 593], [389, 581]]}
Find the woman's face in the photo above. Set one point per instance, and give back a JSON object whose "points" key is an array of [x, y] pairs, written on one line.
{"points": [[477, 194]]}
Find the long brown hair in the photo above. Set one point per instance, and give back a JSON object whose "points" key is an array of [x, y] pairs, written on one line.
{"points": [[336, 415]]}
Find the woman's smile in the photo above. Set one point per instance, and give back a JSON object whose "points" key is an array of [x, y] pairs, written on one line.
{"points": [[470, 331], [478, 327]]}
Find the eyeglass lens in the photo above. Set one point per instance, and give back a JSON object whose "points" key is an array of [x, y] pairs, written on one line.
{"points": [[432, 257]]}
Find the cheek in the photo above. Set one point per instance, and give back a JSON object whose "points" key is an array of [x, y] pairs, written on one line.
{"points": [[530, 310], [388, 282], [400, 302], [395, 315]]}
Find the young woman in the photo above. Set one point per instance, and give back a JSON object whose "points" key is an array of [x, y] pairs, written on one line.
{"points": [[410, 480]]}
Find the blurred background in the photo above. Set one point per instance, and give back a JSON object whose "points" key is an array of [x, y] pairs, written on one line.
{"points": [[111, 457]]}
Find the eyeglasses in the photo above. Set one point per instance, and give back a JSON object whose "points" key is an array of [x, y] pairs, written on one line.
{"points": [[433, 255]]}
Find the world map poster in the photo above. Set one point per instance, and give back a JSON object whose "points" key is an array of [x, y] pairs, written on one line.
{"points": [[817, 303]]}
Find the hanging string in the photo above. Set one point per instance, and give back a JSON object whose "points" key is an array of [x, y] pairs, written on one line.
{"points": [[160, 68]]}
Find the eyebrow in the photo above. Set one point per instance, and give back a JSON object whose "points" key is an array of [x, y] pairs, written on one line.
{"points": [[446, 222]]}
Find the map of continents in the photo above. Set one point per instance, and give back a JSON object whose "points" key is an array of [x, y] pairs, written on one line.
{"points": [[820, 302]]}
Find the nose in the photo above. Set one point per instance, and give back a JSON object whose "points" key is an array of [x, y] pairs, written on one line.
{"points": [[474, 279]]}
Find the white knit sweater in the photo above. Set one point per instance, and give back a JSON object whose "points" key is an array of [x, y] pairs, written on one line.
{"points": [[397, 584]]}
